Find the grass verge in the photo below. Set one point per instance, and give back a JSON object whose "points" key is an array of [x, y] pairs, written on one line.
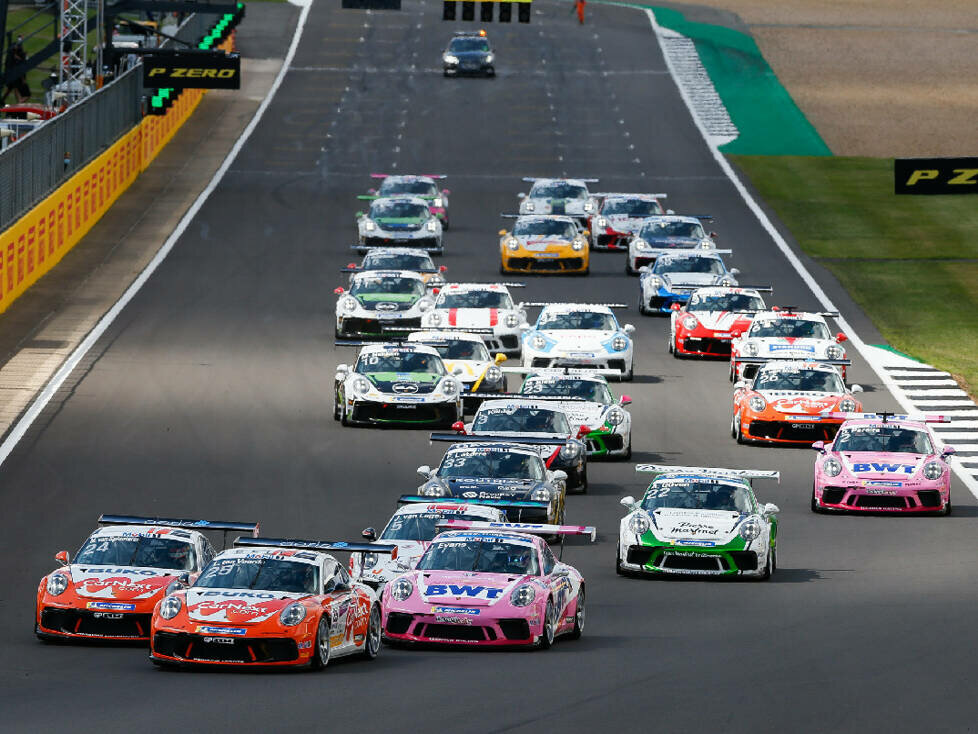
{"points": [[911, 262]]}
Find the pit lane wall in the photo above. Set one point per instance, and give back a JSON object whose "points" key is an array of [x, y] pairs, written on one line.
{"points": [[37, 241]]}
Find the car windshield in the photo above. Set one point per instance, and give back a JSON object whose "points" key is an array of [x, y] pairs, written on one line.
{"points": [[474, 351], [697, 495], [725, 302], [474, 299], [800, 379], [420, 526], [397, 261], [595, 320], [795, 328], [416, 188], [489, 464], [128, 550], [689, 265], [394, 209], [558, 190], [596, 392], [387, 285], [469, 45], [520, 420], [545, 228], [632, 207], [486, 555], [656, 230], [262, 572], [399, 362], [894, 439]]}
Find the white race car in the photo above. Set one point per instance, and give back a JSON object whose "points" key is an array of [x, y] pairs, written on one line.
{"points": [[411, 529], [401, 258], [424, 187], [403, 384], [568, 196], [620, 216], [465, 355], [699, 521], [486, 309], [785, 334], [579, 335], [403, 220], [664, 235], [378, 299]]}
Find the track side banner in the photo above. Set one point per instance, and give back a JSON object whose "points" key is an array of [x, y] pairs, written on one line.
{"points": [[935, 176]]}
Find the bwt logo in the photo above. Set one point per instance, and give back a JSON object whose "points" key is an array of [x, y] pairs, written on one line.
{"points": [[887, 468], [477, 592]]}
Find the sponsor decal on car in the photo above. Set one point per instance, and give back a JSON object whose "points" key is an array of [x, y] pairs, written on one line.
{"points": [[116, 606], [203, 629], [863, 468], [456, 610], [475, 592]]}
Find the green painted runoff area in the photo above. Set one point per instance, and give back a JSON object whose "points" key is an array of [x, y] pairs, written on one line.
{"points": [[911, 262]]}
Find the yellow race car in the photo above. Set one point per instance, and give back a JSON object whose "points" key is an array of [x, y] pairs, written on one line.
{"points": [[544, 244]]}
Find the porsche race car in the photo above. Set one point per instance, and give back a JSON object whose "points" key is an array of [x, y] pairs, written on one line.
{"points": [[705, 325], [486, 309], [465, 356], [379, 298], [422, 187], [665, 235], [584, 335], [401, 258], [784, 333], [620, 216], [544, 244], [675, 276], [404, 221], [568, 196]]}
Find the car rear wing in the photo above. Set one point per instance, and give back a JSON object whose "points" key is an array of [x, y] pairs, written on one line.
{"points": [[224, 526], [765, 360], [884, 417], [494, 438], [719, 471], [795, 309], [358, 269], [362, 343], [485, 282], [542, 304], [412, 329], [532, 179], [406, 244], [561, 371], [521, 527], [422, 175], [521, 396], [758, 288], [313, 545], [606, 194], [410, 499]]}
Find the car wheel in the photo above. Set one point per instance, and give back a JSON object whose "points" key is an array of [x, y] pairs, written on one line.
{"points": [[580, 615], [816, 507], [628, 450], [738, 434], [371, 647], [947, 507], [321, 652], [630, 375], [549, 626], [583, 487], [641, 305], [336, 406], [618, 569], [628, 268], [730, 373], [344, 418], [768, 567]]}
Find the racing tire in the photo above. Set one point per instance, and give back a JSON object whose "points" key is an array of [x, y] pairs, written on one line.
{"points": [[549, 627], [947, 508], [580, 616], [733, 425], [628, 376], [344, 419], [618, 569], [738, 434], [816, 507], [321, 651], [628, 450], [583, 488], [731, 374], [372, 645], [769, 568], [628, 268], [337, 413]]}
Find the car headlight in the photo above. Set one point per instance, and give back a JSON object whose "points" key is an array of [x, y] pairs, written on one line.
{"points": [[847, 405], [706, 244], [493, 374], [370, 560], [639, 524], [425, 304], [512, 243], [538, 342], [751, 528], [369, 226], [512, 320], [529, 206], [757, 403], [640, 244], [349, 304], [57, 583], [577, 245], [438, 201], [431, 226], [833, 351], [449, 386], [690, 322], [402, 589], [619, 344], [170, 607], [726, 282], [490, 58], [361, 386], [434, 489], [831, 467], [750, 349], [933, 470], [450, 59], [601, 222], [570, 451], [540, 494], [292, 614], [615, 417], [523, 596]]}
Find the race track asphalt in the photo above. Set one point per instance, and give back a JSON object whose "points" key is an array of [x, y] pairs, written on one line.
{"points": [[210, 397]]}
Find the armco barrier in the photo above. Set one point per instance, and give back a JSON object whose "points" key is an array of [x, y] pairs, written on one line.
{"points": [[39, 239]]}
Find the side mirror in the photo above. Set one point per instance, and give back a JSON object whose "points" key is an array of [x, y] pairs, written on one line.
{"points": [[628, 502], [458, 427], [629, 329], [342, 369], [559, 476], [503, 233], [819, 446], [670, 211], [184, 579], [735, 271], [442, 268], [948, 451], [358, 215], [675, 306], [770, 509], [586, 232], [338, 291], [625, 400], [856, 388], [371, 191], [713, 235], [583, 431], [644, 269], [369, 534], [446, 192], [435, 291], [500, 358], [741, 385], [521, 195], [62, 557], [840, 337], [351, 266], [424, 470]]}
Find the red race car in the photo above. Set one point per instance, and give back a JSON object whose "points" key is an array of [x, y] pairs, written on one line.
{"points": [[705, 325]]}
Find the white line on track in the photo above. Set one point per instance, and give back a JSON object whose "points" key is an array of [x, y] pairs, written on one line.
{"points": [[969, 480], [54, 384]]}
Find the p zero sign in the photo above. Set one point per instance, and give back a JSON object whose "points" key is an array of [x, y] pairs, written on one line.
{"points": [[935, 175], [189, 70]]}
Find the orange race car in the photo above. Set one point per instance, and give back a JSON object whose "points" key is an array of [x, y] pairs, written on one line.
{"points": [[790, 402], [270, 602], [120, 573]]}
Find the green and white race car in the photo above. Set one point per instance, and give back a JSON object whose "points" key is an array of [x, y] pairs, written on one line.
{"points": [[402, 221], [699, 521], [403, 384], [379, 300]]}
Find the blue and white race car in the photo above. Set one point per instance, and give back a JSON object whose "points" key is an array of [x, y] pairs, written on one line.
{"points": [[404, 221], [664, 235], [675, 276]]}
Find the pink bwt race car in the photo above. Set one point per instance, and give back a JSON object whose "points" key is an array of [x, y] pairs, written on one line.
{"points": [[488, 583], [882, 462]]}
